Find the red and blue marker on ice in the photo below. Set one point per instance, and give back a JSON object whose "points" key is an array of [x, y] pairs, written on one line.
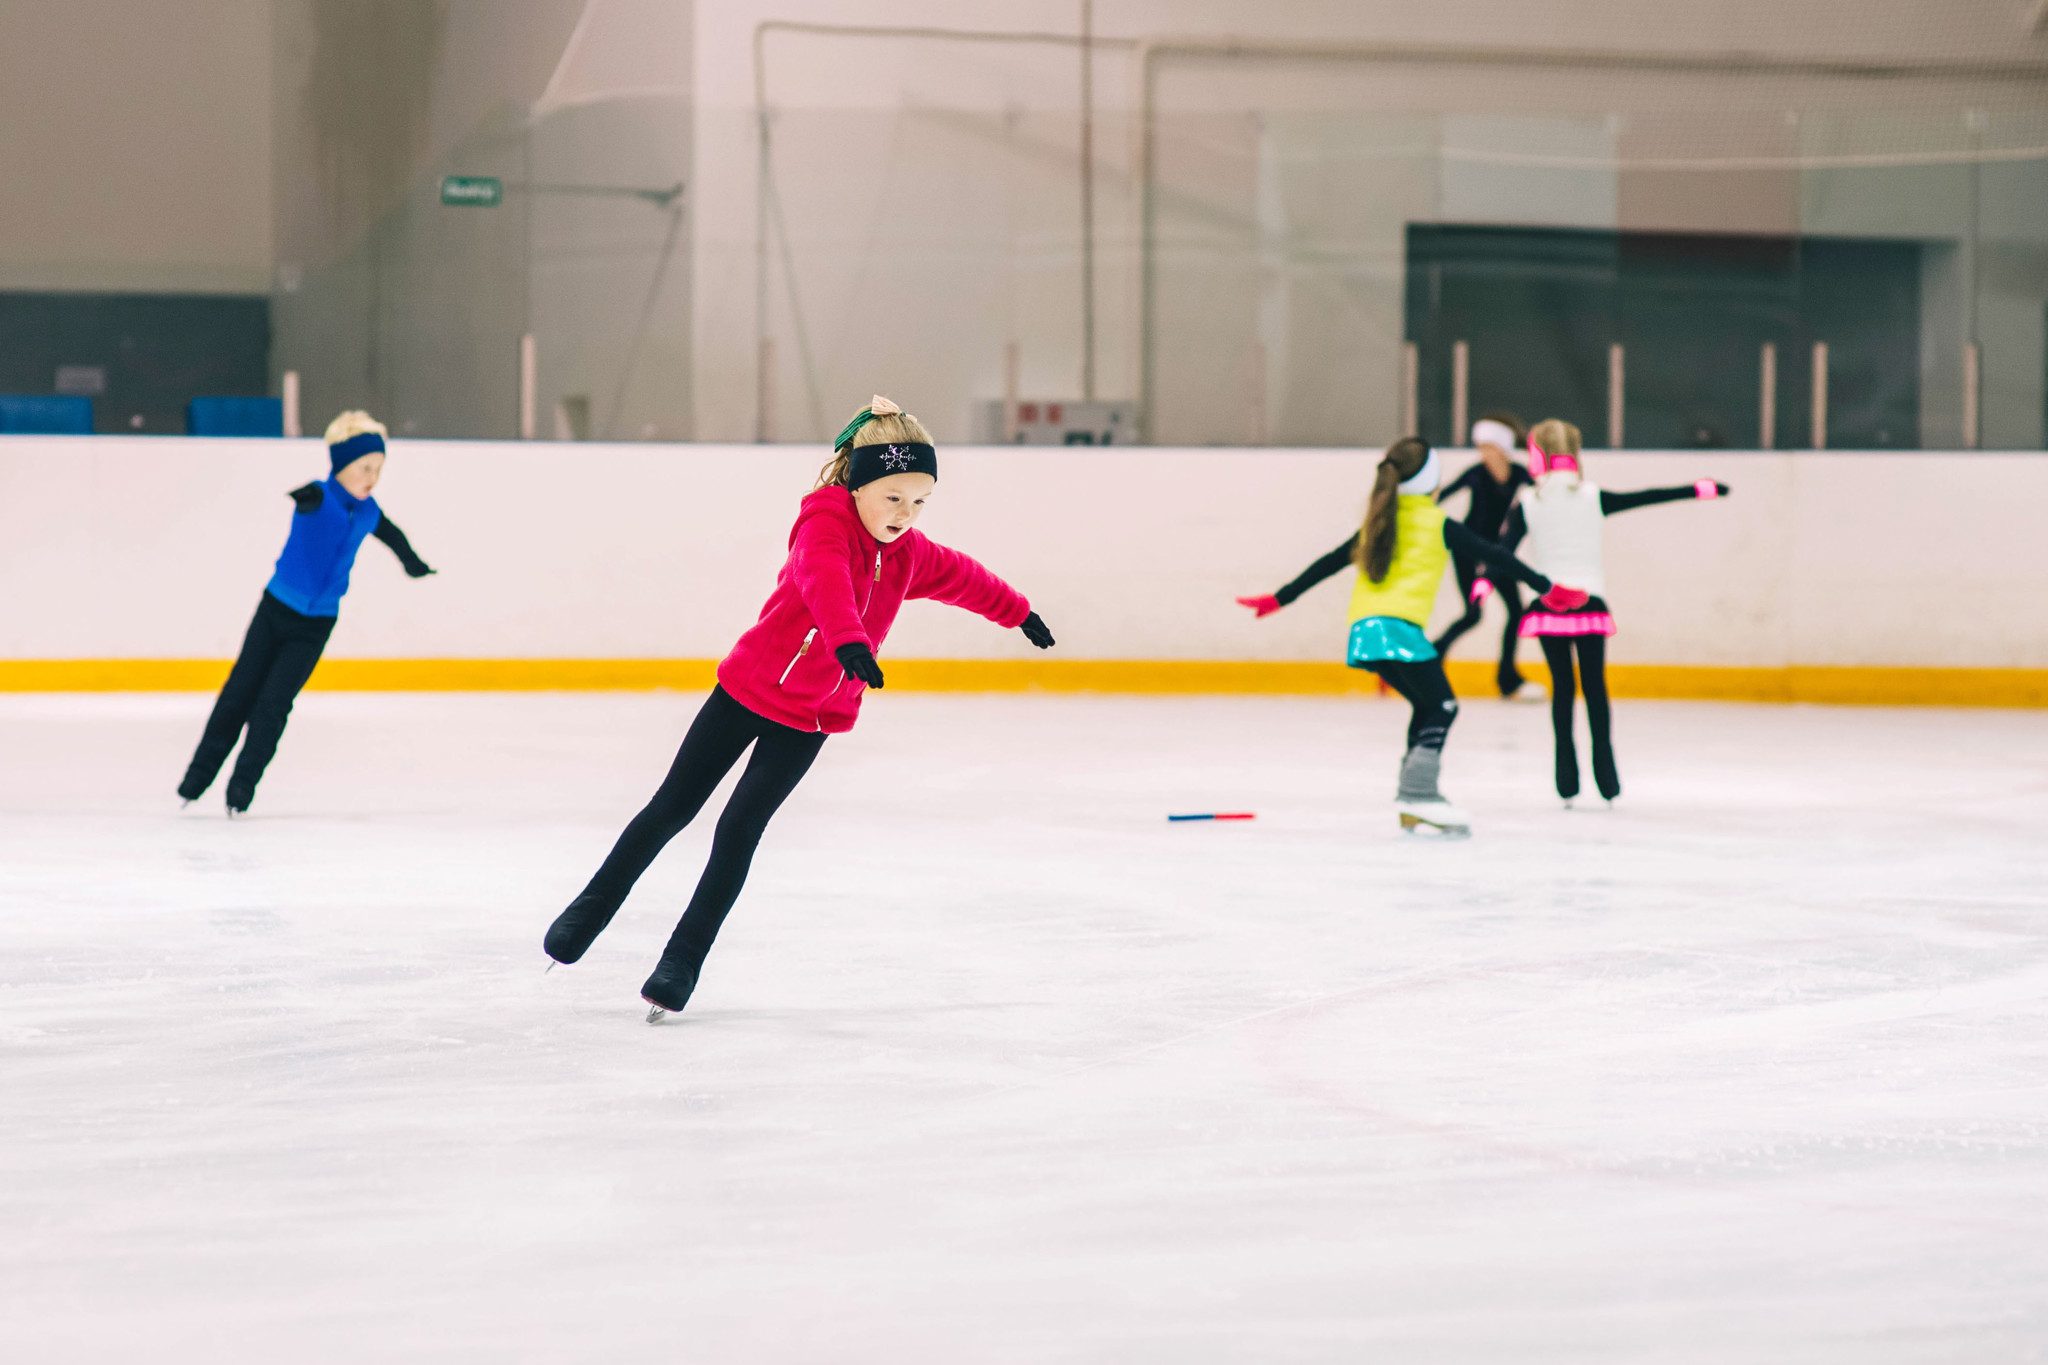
{"points": [[1215, 815]]}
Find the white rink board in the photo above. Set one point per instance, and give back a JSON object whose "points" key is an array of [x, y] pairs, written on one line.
{"points": [[118, 547], [993, 1065]]}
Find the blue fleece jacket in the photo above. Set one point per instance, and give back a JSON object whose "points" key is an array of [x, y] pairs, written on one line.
{"points": [[312, 573]]}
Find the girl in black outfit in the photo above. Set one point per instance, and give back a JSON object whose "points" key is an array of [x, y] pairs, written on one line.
{"points": [[1493, 484]]}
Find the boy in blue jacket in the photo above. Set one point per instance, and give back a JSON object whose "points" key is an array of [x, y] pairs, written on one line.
{"points": [[298, 609]]}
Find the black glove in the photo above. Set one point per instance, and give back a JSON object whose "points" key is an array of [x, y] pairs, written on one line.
{"points": [[1035, 631], [417, 568], [308, 497], [859, 662]]}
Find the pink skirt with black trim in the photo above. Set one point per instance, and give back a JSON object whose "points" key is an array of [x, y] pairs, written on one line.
{"points": [[1592, 618]]}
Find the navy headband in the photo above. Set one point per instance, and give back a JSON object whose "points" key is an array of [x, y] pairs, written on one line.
{"points": [[868, 463], [342, 454]]}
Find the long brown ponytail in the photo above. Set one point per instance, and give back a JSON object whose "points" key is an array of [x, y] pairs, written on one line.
{"points": [[1374, 552]]}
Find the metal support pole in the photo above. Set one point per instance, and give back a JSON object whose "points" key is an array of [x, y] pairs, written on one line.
{"points": [[529, 385], [1257, 435], [1148, 271], [1973, 393], [1012, 363], [1461, 388], [1767, 397], [764, 392], [1411, 388], [1820, 395], [291, 403], [762, 346], [1617, 404], [1088, 200]]}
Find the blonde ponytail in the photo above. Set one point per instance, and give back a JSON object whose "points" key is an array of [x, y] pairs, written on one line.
{"points": [[1555, 437]]}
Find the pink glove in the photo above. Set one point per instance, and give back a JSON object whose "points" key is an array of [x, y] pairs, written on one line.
{"points": [[1561, 598], [1263, 606], [1706, 490], [1481, 590]]}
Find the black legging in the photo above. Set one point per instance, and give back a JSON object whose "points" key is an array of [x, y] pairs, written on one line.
{"points": [[1507, 676], [1557, 651], [720, 734], [1433, 706], [278, 654]]}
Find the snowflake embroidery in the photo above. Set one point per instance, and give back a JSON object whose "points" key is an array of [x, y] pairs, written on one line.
{"points": [[896, 459]]}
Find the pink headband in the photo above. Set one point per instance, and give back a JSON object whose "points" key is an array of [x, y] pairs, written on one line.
{"points": [[1541, 463]]}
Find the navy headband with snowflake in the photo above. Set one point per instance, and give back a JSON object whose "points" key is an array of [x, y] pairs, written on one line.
{"points": [[868, 463]]}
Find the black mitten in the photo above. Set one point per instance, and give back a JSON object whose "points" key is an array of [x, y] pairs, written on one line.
{"points": [[1035, 631], [417, 568], [859, 662]]}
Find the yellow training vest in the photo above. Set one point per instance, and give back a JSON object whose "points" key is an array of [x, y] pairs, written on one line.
{"points": [[1417, 570]]}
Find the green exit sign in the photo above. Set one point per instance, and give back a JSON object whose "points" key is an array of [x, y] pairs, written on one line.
{"points": [[472, 191]]}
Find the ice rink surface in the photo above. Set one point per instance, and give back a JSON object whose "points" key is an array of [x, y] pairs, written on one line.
{"points": [[993, 1064]]}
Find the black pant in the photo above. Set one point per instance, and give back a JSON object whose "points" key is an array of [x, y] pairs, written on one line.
{"points": [[1507, 675], [277, 657], [1557, 651], [720, 734], [1432, 704]]}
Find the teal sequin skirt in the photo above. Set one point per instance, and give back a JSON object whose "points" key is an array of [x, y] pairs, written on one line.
{"points": [[1378, 639]]}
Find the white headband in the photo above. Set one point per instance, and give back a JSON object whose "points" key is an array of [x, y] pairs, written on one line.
{"points": [[1487, 432], [1426, 478]]}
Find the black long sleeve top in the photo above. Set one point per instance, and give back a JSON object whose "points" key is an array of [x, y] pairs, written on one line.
{"points": [[1487, 512], [1610, 503], [388, 532], [1457, 538]]}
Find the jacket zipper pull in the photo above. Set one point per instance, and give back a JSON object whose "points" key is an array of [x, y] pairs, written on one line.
{"points": [[878, 566], [801, 650]]}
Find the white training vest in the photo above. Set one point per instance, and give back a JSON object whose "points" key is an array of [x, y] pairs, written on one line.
{"points": [[1564, 534]]}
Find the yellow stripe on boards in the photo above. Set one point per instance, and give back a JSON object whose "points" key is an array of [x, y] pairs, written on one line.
{"points": [[1472, 679], [514, 675], [1123, 675], [1874, 685], [112, 675], [368, 675]]}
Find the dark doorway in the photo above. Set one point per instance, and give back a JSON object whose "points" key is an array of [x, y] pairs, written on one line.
{"points": [[139, 357], [1540, 307]]}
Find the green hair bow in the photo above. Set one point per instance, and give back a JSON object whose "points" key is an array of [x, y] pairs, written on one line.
{"points": [[880, 407]]}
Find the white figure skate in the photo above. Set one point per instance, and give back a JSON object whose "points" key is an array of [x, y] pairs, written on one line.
{"points": [[1437, 817], [1420, 805], [1533, 692]]}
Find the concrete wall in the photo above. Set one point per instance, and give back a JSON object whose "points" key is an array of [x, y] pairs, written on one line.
{"points": [[135, 146], [117, 548]]}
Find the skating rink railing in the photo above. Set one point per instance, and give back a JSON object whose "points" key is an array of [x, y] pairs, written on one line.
{"points": [[132, 563]]}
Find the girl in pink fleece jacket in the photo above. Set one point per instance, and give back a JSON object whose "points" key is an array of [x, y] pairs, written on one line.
{"points": [[797, 676]]}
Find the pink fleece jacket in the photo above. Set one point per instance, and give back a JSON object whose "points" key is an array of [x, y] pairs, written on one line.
{"points": [[839, 585]]}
